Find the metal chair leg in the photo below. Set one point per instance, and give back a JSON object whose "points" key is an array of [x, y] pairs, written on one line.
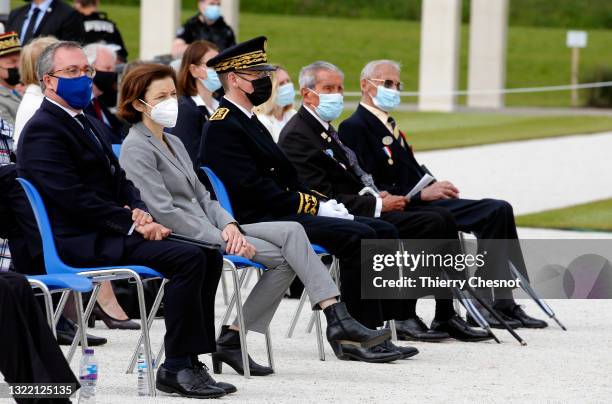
{"points": [[84, 317], [267, 334], [230, 307], [160, 354], [296, 315], [151, 317], [78, 300], [246, 282], [242, 332], [145, 333], [60, 307], [393, 330], [224, 287], [320, 346]]}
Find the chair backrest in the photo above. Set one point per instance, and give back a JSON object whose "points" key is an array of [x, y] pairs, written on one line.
{"points": [[117, 149], [219, 189], [53, 263]]}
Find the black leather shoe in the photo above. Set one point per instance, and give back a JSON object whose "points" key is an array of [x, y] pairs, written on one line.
{"points": [[229, 352], [187, 382], [517, 314], [406, 351], [376, 354], [414, 329], [344, 329], [66, 329], [459, 329], [203, 370], [493, 323]]}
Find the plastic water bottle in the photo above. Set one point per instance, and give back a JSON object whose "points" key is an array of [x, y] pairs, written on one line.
{"points": [[88, 377], [143, 378]]}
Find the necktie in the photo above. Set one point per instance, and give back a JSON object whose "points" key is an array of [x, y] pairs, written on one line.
{"points": [[396, 132], [89, 130], [97, 108], [31, 26], [366, 178]]}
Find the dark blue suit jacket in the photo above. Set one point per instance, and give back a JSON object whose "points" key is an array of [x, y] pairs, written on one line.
{"points": [[83, 186], [363, 132]]}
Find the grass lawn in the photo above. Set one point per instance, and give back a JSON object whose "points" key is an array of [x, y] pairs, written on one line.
{"points": [[589, 216], [536, 56], [428, 131]]}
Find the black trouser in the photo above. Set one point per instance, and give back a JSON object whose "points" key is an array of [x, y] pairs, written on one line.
{"points": [[189, 297], [489, 219], [426, 222], [18, 225], [28, 351]]}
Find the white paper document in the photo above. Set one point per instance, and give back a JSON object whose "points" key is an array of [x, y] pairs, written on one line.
{"points": [[423, 182]]}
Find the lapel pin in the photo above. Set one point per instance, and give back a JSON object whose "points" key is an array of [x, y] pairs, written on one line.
{"points": [[387, 140]]}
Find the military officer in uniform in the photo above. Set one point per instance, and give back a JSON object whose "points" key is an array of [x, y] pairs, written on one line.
{"points": [[384, 152], [263, 185], [324, 163]]}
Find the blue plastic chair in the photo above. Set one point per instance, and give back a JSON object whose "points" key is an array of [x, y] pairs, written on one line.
{"points": [[58, 283], [224, 201], [54, 265], [116, 149]]}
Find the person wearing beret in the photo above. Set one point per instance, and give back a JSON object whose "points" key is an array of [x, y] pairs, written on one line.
{"points": [[385, 152], [311, 143], [10, 49], [46, 18], [263, 186]]}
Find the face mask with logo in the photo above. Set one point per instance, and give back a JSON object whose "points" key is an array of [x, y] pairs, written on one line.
{"points": [[164, 113], [386, 98], [211, 82], [107, 83], [330, 106], [285, 95], [212, 12], [13, 76], [75, 91], [262, 90]]}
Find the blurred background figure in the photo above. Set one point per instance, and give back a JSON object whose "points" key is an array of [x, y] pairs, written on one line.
{"points": [[196, 84], [208, 24], [98, 28], [46, 18], [33, 95], [276, 112], [104, 59], [10, 98]]}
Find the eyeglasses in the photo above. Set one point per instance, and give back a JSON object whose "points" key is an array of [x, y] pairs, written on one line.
{"points": [[398, 85], [257, 74], [75, 71]]}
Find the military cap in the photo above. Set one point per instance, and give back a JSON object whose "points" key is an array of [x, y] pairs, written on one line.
{"points": [[9, 43], [248, 55]]}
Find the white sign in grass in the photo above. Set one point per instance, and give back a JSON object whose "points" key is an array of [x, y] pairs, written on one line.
{"points": [[577, 39]]}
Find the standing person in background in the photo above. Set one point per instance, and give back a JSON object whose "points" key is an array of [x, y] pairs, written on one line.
{"points": [[208, 24], [10, 48], [196, 84], [98, 28], [276, 112], [33, 96], [46, 18], [104, 59]]}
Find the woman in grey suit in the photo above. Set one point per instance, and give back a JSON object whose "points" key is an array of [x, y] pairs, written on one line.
{"points": [[160, 167]]}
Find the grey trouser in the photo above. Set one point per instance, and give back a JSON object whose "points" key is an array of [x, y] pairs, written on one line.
{"points": [[283, 247]]}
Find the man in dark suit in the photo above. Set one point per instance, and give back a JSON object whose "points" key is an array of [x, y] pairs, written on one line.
{"points": [[28, 353], [385, 153], [99, 220], [324, 163], [104, 60], [263, 185], [44, 18]]}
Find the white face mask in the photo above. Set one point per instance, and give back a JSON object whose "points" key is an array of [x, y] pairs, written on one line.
{"points": [[165, 112]]}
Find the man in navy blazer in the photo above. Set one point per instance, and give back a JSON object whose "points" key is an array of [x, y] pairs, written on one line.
{"points": [[46, 18], [385, 153], [99, 219]]}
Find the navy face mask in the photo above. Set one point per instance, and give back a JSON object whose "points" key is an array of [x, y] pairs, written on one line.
{"points": [[75, 91]]}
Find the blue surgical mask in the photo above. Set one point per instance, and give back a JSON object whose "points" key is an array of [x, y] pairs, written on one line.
{"points": [[212, 12], [211, 82], [386, 98], [285, 95], [330, 106], [75, 91]]}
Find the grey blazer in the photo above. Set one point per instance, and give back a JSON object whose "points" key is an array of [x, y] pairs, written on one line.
{"points": [[170, 187]]}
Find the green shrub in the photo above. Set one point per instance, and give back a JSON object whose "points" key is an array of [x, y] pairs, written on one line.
{"points": [[600, 97]]}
